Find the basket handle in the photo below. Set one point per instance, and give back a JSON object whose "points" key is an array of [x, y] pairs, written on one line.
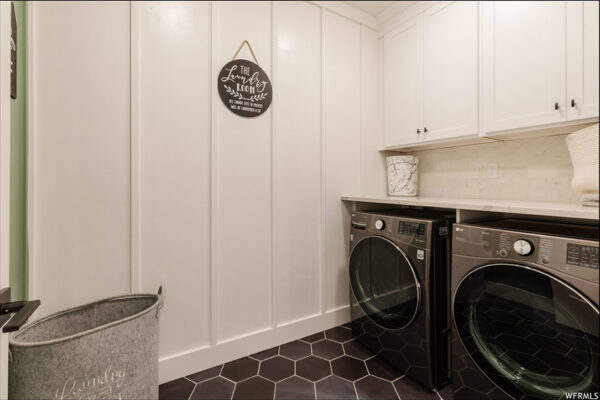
{"points": [[161, 299]]}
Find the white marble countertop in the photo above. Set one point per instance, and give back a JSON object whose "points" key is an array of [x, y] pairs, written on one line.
{"points": [[565, 210]]}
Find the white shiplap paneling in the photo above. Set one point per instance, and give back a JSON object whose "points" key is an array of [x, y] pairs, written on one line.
{"points": [[207, 186], [174, 165], [243, 199], [373, 167], [80, 141], [297, 152], [341, 132]]}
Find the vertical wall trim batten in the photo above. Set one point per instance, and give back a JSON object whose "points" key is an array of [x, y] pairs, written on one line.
{"points": [[134, 143], [480, 40], [361, 183], [274, 204], [322, 242], [213, 179], [31, 153]]}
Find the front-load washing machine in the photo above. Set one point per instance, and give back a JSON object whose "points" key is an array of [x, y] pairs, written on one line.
{"points": [[399, 261], [525, 310]]}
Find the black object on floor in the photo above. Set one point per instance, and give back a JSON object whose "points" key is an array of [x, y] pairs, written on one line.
{"points": [[328, 365]]}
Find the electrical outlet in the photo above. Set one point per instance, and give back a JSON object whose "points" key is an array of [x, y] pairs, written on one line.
{"points": [[492, 171]]}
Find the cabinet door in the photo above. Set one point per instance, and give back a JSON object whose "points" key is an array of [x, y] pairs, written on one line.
{"points": [[451, 70], [403, 83], [524, 73], [582, 59]]}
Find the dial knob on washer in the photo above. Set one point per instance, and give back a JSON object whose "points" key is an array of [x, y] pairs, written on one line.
{"points": [[523, 247], [379, 225]]}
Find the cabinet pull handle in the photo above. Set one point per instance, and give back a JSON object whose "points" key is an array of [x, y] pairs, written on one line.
{"points": [[418, 131], [556, 107], [425, 129], [573, 103]]}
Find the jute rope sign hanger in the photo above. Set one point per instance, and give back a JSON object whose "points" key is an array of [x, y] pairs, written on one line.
{"points": [[244, 87], [245, 42]]}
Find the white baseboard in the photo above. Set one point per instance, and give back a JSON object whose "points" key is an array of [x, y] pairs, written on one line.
{"points": [[194, 360]]}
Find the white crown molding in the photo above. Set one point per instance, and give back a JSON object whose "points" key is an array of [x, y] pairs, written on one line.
{"points": [[349, 12], [396, 20], [397, 8]]}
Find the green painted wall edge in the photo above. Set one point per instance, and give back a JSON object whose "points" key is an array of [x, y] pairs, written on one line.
{"points": [[18, 165]]}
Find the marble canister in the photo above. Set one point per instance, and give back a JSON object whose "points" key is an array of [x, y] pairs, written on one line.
{"points": [[402, 173]]}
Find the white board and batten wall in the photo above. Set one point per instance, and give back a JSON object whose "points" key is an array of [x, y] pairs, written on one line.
{"points": [[79, 150], [139, 175]]}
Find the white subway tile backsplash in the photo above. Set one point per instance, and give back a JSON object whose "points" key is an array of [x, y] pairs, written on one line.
{"points": [[530, 169]]}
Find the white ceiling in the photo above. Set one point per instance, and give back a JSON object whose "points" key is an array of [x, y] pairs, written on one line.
{"points": [[376, 8]]}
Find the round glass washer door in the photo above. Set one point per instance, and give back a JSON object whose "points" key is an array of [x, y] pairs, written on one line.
{"points": [[384, 282], [533, 335]]}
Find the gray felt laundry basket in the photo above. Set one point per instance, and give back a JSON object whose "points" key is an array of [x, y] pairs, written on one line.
{"points": [[104, 350]]}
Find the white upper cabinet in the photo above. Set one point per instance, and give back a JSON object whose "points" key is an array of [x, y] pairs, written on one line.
{"points": [[524, 77], [451, 70], [582, 59], [431, 76], [460, 69], [403, 83]]}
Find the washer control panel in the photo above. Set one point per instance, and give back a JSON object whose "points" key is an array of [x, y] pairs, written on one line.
{"points": [[523, 247], [574, 256], [582, 256], [511, 244]]}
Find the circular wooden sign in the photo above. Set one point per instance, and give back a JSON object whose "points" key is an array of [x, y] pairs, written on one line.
{"points": [[245, 88]]}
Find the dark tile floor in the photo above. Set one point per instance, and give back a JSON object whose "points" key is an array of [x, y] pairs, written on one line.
{"points": [[326, 365]]}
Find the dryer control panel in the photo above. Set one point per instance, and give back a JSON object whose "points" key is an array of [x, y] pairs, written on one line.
{"points": [[412, 227], [406, 231]]}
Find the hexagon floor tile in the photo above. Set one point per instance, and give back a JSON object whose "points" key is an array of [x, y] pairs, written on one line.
{"points": [[240, 369], [327, 349], [339, 334], [349, 368], [313, 368], [255, 388], [334, 388], [327, 365], [178, 389], [295, 350], [357, 350], [215, 388], [263, 355], [381, 369], [276, 368], [205, 375], [372, 387], [295, 388], [314, 338]]}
